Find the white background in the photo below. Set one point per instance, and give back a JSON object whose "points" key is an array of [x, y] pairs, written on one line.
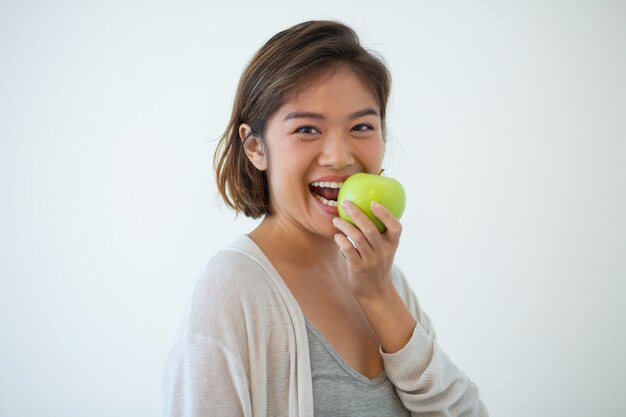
{"points": [[507, 127]]}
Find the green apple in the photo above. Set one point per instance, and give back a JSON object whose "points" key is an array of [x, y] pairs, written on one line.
{"points": [[361, 189]]}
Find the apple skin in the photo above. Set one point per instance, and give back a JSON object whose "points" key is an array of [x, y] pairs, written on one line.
{"points": [[361, 189]]}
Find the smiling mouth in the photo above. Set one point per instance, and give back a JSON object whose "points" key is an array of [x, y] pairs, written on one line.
{"points": [[326, 192]]}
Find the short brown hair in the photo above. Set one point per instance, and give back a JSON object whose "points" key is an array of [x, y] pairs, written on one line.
{"points": [[277, 72]]}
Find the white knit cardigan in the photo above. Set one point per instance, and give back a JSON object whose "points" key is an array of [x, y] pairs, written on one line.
{"points": [[242, 350]]}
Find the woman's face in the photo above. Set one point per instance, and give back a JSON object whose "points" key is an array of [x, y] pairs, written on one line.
{"points": [[315, 141]]}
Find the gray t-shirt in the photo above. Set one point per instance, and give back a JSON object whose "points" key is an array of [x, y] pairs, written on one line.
{"points": [[340, 391]]}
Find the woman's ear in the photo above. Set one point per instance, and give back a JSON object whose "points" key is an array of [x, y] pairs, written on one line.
{"points": [[253, 146]]}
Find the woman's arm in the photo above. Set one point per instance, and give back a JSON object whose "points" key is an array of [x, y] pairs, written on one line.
{"points": [[202, 378], [425, 379]]}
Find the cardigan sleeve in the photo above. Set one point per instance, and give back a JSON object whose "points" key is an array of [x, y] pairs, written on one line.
{"points": [[202, 378], [425, 378], [233, 353], [207, 370]]}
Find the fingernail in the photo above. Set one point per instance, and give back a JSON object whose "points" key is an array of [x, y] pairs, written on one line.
{"points": [[336, 220]]}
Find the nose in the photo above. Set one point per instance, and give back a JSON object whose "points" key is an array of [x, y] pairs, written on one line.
{"points": [[336, 152]]}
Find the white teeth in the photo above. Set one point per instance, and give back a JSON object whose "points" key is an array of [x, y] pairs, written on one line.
{"points": [[330, 203], [327, 184]]}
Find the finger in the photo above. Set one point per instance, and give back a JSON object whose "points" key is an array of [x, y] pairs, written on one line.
{"points": [[393, 225], [347, 249], [364, 224], [355, 235]]}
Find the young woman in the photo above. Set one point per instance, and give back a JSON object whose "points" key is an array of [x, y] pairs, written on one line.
{"points": [[307, 315]]}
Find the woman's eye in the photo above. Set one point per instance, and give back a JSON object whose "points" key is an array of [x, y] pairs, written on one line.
{"points": [[306, 129], [363, 128]]}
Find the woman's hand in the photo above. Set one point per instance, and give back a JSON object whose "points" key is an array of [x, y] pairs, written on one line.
{"points": [[371, 257]]}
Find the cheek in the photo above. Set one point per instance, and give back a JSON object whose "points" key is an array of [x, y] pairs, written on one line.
{"points": [[380, 150], [287, 174], [372, 154]]}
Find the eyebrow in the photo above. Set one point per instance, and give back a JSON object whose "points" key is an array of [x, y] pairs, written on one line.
{"points": [[310, 115]]}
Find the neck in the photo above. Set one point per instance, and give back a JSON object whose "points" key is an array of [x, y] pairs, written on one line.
{"points": [[290, 242]]}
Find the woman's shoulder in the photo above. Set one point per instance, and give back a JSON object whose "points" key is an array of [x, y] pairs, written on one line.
{"points": [[237, 286], [241, 265], [236, 311]]}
